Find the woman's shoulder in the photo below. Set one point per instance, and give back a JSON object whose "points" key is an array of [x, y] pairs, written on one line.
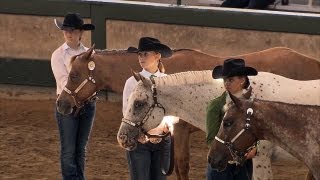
{"points": [[58, 51], [220, 99], [131, 80]]}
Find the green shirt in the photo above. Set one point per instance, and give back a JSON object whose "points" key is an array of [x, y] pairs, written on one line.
{"points": [[215, 114]]}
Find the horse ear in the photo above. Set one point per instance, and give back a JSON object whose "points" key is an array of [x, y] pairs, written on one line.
{"points": [[146, 81], [89, 52], [247, 95], [235, 100], [139, 77], [136, 75]]}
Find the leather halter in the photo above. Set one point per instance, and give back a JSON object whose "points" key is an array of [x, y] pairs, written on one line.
{"points": [[238, 155], [155, 104], [73, 94], [139, 125]]}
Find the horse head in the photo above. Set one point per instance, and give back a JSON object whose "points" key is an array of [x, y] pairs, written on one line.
{"points": [[143, 113], [82, 83], [236, 135]]}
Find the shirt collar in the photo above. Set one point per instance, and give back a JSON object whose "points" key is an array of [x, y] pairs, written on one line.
{"points": [[147, 74], [66, 47]]}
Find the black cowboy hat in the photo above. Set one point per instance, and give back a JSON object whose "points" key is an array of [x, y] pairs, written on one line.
{"points": [[73, 21], [152, 44], [233, 67]]}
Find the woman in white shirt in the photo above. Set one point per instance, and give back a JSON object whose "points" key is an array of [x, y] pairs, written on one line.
{"points": [[144, 162], [74, 129]]}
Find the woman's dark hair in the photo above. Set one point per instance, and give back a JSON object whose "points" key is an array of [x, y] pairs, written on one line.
{"points": [[247, 82]]}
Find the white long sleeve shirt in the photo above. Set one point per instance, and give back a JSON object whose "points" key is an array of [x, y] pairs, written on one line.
{"points": [[60, 63], [131, 83]]}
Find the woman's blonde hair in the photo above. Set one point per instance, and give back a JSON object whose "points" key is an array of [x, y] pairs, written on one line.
{"points": [[161, 67]]}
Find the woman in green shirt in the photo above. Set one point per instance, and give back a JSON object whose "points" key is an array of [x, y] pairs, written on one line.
{"points": [[235, 77]]}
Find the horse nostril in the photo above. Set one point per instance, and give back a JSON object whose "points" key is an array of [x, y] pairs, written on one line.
{"points": [[220, 164], [64, 107], [123, 138], [58, 103]]}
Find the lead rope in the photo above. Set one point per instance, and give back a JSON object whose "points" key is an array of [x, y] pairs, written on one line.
{"points": [[164, 170]]}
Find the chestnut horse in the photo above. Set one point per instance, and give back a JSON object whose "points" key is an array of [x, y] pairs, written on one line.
{"points": [[116, 64], [294, 127]]}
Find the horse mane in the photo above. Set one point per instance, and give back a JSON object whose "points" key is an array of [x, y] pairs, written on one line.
{"points": [[177, 50], [185, 78], [103, 52], [287, 104], [112, 52], [124, 51]]}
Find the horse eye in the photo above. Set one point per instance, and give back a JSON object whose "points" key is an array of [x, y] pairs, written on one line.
{"points": [[138, 104], [227, 123], [73, 77]]}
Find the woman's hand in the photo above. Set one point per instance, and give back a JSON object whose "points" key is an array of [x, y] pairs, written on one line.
{"points": [[251, 154], [159, 130]]}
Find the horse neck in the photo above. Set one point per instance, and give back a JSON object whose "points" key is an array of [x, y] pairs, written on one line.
{"points": [[111, 63], [189, 101], [271, 87], [295, 128], [190, 60], [114, 68]]}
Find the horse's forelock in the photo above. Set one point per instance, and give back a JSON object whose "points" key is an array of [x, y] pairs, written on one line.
{"points": [[227, 106]]}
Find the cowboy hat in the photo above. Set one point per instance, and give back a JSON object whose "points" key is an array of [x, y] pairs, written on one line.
{"points": [[73, 21], [152, 44], [233, 67]]}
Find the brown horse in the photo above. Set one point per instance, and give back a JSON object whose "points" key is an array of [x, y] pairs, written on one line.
{"points": [[294, 127], [112, 68]]}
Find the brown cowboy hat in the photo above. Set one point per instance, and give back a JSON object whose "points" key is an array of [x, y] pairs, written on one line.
{"points": [[152, 44], [233, 67], [73, 21]]}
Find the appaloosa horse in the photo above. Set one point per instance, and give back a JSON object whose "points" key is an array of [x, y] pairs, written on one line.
{"points": [[294, 127], [187, 95], [280, 60]]}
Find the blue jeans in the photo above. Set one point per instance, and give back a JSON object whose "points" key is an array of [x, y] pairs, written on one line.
{"points": [[232, 172], [74, 134], [145, 161]]}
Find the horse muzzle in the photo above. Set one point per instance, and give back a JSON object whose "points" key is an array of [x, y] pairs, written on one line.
{"points": [[64, 107], [217, 163], [127, 143]]}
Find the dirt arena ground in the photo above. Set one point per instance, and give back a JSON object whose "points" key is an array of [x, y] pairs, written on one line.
{"points": [[29, 145]]}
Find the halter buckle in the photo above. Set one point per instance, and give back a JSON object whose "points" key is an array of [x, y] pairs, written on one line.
{"points": [[249, 111], [247, 125]]}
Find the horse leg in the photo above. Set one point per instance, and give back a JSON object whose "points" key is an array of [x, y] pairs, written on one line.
{"points": [[262, 162], [279, 155], [181, 150]]}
